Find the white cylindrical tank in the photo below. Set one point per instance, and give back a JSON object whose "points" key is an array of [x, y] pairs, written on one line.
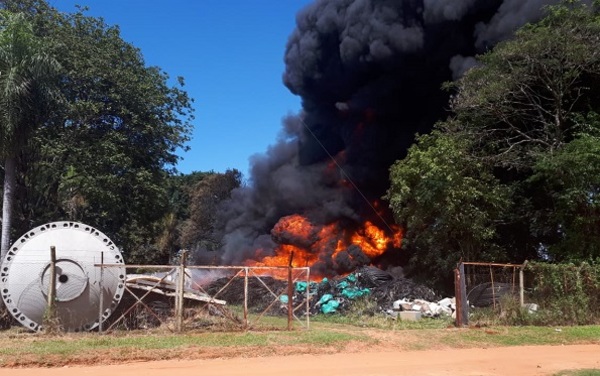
{"points": [[81, 286]]}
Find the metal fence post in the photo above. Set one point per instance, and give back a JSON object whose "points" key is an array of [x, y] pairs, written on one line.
{"points": [[522, 284], [246, 298], [307, 298], [290, 293], [51, 307], [464, 306], [179, 302], [101, 297], [457, 303]]}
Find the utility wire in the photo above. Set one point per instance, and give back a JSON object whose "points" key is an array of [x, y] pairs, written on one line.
{"points": [[347, 176]]}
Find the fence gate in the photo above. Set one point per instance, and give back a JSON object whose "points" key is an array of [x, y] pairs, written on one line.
{"points": [[480, 284]]}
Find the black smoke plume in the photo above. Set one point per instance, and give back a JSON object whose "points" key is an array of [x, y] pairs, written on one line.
{"points": [[369, 74]]}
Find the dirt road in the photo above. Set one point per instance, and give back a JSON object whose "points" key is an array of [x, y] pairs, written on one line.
{"points": [[523, 360]]}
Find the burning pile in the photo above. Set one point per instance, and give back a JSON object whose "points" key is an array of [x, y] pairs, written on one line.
{"points": [[326, 248]]}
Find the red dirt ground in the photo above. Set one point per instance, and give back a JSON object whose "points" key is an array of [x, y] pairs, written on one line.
{"points": [[522, 360]]}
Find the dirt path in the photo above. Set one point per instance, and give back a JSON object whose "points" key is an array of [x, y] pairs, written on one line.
{"points": [[523, 360]]}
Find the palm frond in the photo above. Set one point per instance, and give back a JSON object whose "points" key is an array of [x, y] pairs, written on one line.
{"points": [[25, 69]]}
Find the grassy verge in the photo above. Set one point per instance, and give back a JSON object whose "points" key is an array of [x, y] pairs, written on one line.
{"points": [[325, 336]]}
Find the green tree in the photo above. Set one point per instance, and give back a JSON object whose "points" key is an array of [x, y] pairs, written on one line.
{"points": [[448, 203], [26, 71], [513, 174], [124, 125], [525, 104], [523, 98], [107, 150], [198, 231], [169, 229], [569, 182]]}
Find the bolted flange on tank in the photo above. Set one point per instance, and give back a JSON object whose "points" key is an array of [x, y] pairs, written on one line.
{"points": [[81, 286]]}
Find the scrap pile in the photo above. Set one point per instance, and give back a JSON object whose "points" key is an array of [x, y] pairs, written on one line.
{"points": [[387, 293], [390, 294]]}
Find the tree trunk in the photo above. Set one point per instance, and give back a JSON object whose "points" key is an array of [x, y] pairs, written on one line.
{"points": [[7, 203]]}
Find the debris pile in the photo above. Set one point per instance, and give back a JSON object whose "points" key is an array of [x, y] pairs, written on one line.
{"points": [[443, 307], [383, 292], [166, 285], [388, 294]]}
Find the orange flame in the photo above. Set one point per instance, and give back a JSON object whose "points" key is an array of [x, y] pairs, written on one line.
{"points": [[371, 240], [325, 242], [295, 225], [283, 254]]}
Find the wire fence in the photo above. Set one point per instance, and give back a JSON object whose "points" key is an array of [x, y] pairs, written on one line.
{"points": [[488, 283], [220, 298], [528, 294], [489, 288]]}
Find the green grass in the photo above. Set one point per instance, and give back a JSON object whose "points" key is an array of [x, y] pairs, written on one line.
{"points": [[527, 335], [383, 322], [579, 372], [74, 343], [326, 335]]}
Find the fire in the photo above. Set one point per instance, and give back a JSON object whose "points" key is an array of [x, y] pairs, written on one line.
{"points": [[311, 244], [284, 253], [295, 224], [371, 240]]}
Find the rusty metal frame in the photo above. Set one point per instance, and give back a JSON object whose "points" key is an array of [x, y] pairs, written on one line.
{"points": [[491, 265], [295, 275], [139, 300]]}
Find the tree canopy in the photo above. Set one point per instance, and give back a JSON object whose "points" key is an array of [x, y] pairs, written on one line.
{"points": [[106, 149], [513, 173], [25, 74]]}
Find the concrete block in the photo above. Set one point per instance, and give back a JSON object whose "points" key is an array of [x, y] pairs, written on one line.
{"points": [[410, 315]]}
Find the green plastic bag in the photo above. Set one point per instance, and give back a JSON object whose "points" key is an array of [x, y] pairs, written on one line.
{"points": [[325, 298], [301, 286], [353, 292], [342, 285], [330, 307]]}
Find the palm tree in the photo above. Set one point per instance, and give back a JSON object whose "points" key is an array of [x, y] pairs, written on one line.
{"points": [[25, 75]]}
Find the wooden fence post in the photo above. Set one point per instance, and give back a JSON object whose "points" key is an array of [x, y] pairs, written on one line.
{"points": [[460, 293]]}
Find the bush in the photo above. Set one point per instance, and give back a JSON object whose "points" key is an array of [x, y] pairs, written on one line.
{"points": [[566, 294]]}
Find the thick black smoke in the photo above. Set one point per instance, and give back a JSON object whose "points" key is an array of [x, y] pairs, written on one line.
{"points": [[369, 74]]}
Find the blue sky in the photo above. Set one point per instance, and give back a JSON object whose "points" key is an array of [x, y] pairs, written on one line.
{"points": [[230, 53]]}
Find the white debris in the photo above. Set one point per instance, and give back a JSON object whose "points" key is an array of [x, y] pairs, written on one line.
{"points": [[531, 307], [444, 307], [399, 304], [410, 315]]}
